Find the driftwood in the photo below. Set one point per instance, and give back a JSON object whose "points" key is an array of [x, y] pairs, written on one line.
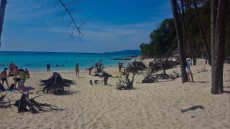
{"points": [[96, 82], [134, 67], [192, 108], [104, 75], [125, 85], [4, 101], [157, 66], [56, 84], [33, 106], [149, 79], [99, 66]]}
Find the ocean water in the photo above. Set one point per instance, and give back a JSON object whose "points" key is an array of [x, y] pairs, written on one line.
{"points": [[61, 61]]}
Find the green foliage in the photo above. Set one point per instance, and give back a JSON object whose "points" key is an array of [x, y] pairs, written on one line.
{"points": [[163, 39]]}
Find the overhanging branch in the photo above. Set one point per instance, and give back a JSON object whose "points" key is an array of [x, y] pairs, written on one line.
{"points": [[71, 16]]}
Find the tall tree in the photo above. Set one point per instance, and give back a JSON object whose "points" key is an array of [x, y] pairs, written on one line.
{"points": [[218, 31], [179, 33], [202, 32], [186, 37], [2, 14]]}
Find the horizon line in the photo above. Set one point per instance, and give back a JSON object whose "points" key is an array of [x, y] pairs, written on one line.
{"points": [[76, 52]]}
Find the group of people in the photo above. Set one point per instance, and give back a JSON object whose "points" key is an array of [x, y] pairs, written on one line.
{"points": [[19, 77]]}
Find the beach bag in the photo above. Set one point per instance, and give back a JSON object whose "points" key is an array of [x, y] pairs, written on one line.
{"points": [[2, 88]]}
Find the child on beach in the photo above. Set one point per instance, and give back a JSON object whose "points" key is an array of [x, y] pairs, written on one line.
{"points": [[188, 70], [4, 76]]}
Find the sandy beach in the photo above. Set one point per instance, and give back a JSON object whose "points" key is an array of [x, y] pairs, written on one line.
{"points": [[148, 106]]}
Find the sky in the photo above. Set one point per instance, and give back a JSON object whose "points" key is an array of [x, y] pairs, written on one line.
{"points": [[106, 25]]}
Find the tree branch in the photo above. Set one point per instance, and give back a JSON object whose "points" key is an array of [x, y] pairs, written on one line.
{"points": [[72, 18]]}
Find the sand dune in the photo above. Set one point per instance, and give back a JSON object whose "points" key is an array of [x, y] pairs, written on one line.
{"points": [[148, 106]]}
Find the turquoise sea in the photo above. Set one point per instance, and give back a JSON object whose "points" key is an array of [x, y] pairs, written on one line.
{"points": [[61, 61]]}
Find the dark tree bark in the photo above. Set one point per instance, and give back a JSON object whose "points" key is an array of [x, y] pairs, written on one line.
{"points": [[27, 104], [218, 32], [2, 14], [24, 102], [186, 37], [179, 33]]}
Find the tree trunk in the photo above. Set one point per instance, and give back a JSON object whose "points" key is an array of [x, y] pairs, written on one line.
{"points": [[218, 31], [131, 82], [24, 102], [179, 40], [186, 38], [2, 14], [202, 34]]}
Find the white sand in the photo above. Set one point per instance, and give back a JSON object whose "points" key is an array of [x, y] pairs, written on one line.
{"points": [[148, 106]]}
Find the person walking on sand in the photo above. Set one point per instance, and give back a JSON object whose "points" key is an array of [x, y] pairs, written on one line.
{"points": [[4, 76], [77, 70], [188, 63]]}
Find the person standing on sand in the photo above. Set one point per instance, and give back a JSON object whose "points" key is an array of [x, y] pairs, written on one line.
{"points": [[16, 78], [120, 66], [188, 63], [90, 70], [22, 74], [77, 70], [48, 67], [4, 76]]}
